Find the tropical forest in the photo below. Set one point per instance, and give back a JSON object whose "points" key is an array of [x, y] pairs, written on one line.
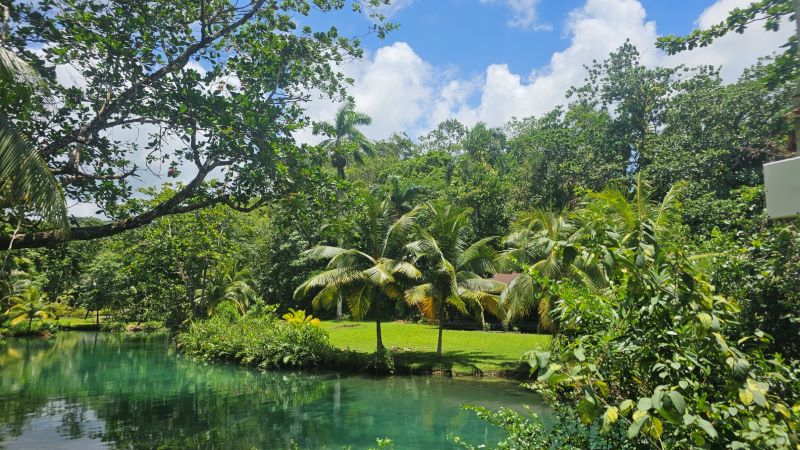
{"points": [[400, 224]]}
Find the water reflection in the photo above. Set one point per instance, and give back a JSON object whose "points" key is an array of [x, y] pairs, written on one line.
{"points": [[95, 390]]}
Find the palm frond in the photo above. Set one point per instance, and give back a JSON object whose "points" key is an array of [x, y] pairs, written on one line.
{"points": [[26, 181]]}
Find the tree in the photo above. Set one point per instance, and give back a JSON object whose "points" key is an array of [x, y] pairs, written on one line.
{"points": [[401, 195], [26, 184], [370, 274], [452, 269], [772, 13], [28, 305], [218, 86], [345, 140], [227, 284], [542, 244]]}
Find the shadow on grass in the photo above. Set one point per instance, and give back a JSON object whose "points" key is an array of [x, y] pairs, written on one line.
{"points": [[451, 363]]}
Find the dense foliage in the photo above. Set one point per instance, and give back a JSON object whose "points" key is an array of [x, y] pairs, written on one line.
{"points": [[261, 340], [630, 219]]}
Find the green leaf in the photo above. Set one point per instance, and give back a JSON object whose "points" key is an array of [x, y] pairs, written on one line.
{"points": [[645, 403], [609, 418], [707, 427], [625, 406], [637, 424], [678, 402]]}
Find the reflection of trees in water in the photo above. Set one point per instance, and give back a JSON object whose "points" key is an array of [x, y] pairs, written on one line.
{"points": [[132, 391], [144, 395]]}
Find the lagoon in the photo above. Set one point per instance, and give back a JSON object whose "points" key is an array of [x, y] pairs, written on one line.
{"points": [[81, 390]]}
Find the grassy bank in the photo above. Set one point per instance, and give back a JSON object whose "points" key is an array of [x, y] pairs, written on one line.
{"points": [[414, 346]]}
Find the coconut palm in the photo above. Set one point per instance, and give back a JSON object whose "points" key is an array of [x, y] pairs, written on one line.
{"points": [[26, 183], [230, 285], [541, 244], [402, 197], [346, 141], [553, 246], [452, 269], [370, 274], [28, 305]]}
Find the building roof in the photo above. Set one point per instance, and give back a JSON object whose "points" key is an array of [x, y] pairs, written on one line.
{"points": [[505, 277]]}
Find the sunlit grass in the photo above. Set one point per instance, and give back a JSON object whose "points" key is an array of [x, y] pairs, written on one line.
{"points": [[463, 351]]}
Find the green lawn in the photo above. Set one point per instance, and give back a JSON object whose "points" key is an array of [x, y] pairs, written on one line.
{"points": [[464, 352], [74, 321]]}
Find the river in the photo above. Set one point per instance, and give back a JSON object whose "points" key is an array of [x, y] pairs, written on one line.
{"points": [[115, 390]]}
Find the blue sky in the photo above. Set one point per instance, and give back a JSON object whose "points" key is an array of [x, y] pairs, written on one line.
{"points": [[491, 60]]}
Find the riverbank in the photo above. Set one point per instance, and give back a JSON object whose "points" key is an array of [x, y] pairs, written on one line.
{"points": [[464, 353]]}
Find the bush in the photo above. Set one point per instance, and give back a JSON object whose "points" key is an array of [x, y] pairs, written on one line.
{"points": [[112, 326], [263, 342], [38, 328]]}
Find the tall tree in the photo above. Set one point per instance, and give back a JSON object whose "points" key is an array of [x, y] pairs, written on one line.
{"points": [[218, 86], [345, 140], [453, 269], [372, 273]]}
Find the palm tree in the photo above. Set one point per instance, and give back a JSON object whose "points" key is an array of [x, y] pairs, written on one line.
{"points": [[453, 269], [553, 246], [402, 197], [26, 183], [369, 275], [345, 140], [228, 284], [541, 244], [28, 305]]}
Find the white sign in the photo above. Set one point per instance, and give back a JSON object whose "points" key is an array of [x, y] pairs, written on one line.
{"points": [[782, 184]]}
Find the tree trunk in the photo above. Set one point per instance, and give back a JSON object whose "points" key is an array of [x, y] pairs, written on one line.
{"points": [[379, 344], [97, 317], [340, 172], [30, 323], [339, 315], [439, 345]]}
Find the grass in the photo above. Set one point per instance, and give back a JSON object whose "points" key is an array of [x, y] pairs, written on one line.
{"points": [[463, 352], [73, 321]]}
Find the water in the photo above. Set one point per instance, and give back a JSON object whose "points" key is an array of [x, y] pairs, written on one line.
{"points": [[108, 390]]}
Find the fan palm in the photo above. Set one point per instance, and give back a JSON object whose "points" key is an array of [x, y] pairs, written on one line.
{"points": [[367, 276], [29, 305], [26, 182], [346, 141], [453, 269]]}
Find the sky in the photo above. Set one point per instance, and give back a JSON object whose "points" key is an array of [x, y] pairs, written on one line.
{"points": [[491, 60]]}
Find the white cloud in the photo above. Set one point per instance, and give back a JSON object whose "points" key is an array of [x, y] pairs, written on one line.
{"points": [[733, 52], [524, 14], [596, 29], [394, 86], [402, 92]]}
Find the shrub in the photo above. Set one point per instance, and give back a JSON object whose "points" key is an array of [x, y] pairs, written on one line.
{"points": [[112, 326], [263, 342]]}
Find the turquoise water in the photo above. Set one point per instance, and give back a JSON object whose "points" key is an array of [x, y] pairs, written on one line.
{"points": [[109, 390]]}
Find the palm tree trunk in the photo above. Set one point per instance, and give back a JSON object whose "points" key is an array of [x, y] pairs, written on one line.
{"points": [[340, 171], [379, 344], [339, 315], [441, 329]]}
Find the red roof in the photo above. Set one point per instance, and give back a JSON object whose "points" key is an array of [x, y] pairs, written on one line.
{"points": [[505, 277]]}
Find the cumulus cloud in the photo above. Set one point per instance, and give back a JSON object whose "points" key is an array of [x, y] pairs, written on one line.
{"points": [[524, 14], [394, 86], [402, 92], [733, 52]]}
